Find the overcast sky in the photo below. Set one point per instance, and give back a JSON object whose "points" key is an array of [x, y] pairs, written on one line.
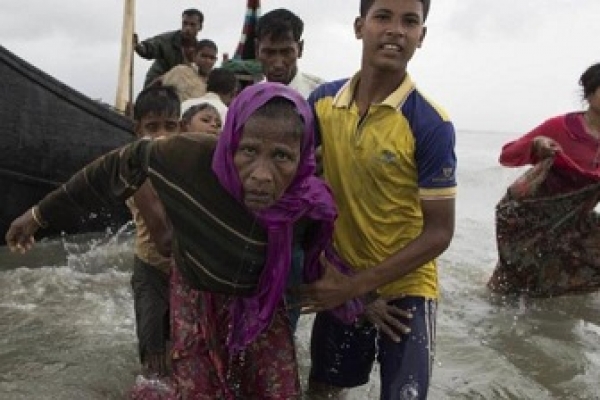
{"points": [[494, 65]]}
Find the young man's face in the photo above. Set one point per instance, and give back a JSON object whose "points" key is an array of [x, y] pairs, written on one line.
{"points": [[205, 59], [391, 32], [279, 57], [190, 26], [154, 126]]}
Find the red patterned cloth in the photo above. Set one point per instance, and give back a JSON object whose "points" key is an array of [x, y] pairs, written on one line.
{"points": [[548, 243], [202, 367]]}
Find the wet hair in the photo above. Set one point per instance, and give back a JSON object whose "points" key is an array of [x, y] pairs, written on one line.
{"points": [[206, 43], [365, 6], [283, 109], [157, 100], [590, 80], [191, 12], [278, 24], [221, 81], [191, 112]]}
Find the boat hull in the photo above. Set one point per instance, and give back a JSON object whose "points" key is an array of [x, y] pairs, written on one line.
{"points": [[48, 131]]}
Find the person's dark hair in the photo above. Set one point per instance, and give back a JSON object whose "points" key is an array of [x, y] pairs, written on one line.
{"points": [[590, 80], [157, 100], [278, 24], [190, 12], [206, 43], [365, 6], [189, 114], [282, 108], [221, 81]]}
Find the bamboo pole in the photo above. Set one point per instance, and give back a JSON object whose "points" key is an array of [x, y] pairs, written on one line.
{"points": [[125, 80]]}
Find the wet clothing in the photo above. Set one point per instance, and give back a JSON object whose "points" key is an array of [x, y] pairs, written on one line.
{"points": [[166, 51], [569, 131], [144, 247], [265, 369], [548, 243], [306, 197], [151, 304], [379, 168], [344, 354]]}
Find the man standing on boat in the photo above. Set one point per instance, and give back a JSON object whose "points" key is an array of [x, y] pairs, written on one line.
{"points": [[166, 49], [279, 45]]}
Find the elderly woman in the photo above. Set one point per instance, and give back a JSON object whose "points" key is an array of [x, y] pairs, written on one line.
{"points": [[234, 203]]}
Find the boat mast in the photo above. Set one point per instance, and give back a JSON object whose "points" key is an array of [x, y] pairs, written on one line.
{"points": [[245, 49], [125, 80]]}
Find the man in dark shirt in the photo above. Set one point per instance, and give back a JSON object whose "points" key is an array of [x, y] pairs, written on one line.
{"points": [[166, 49]]}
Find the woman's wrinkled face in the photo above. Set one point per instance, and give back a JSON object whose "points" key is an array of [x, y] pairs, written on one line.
{"points": [[267, 159], [205, 121]]}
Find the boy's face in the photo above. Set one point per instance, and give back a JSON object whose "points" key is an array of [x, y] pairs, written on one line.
{"points": [[205, 121], [205, 59], [279, 57], [391, 32], [154, 126]]}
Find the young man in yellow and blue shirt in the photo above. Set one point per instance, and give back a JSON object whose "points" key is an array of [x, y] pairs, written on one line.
{"points": [[388, 155]]}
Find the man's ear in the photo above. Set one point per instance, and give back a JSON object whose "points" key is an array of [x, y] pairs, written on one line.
{"points": [[300, 47], [358, 26], [256, 49], [137, 128], [422, 38]]}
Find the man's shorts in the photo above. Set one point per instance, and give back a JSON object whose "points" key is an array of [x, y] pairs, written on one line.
{"points": [[343, 355]]}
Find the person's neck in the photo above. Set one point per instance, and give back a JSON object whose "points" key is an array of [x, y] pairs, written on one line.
{"points": [[592, 119], [374, 87]]}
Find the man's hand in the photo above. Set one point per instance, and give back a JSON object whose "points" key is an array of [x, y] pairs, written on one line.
{"points": [[137, 46], [386, 317], [333, 289], [20, 233]]}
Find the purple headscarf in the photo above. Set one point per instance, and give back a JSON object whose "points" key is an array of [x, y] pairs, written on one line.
{"points": [[307, 196]]}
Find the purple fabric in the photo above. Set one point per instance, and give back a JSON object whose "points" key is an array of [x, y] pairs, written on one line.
{"points": [[307, 196]]}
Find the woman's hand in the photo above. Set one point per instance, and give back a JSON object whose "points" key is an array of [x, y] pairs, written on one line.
{"points": [[20, 233], [544, 147], [333, 289]]}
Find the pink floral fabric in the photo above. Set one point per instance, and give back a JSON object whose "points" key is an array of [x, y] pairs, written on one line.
{"points": [[202, 366]]}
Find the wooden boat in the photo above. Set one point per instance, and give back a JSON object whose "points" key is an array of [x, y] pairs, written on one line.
{"points": [[48, 132]]}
